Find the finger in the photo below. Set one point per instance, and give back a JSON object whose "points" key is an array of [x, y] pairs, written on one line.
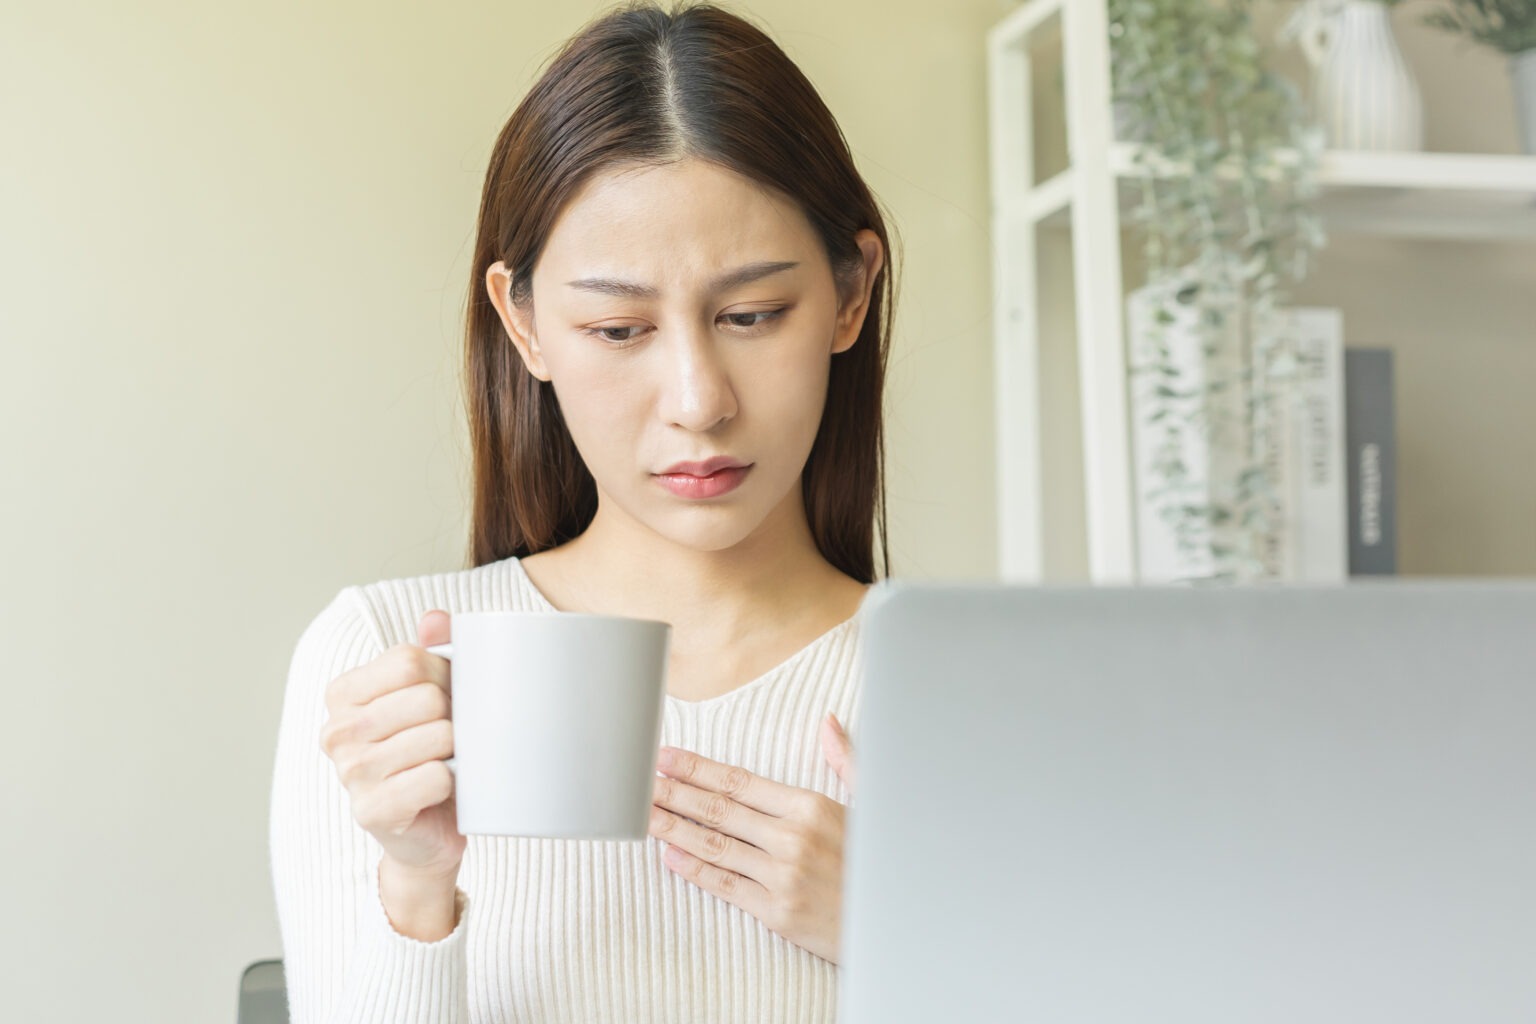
{"points": [[381, 718], [721, 813], [838, 750], [410, 748], [740, 785], [735, 889], [399, 710], [434, 628], [401, 666], [394, 808], [715, 847]]}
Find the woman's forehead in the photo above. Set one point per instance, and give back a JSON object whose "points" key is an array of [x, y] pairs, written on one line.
{"points": [[686, 213]]}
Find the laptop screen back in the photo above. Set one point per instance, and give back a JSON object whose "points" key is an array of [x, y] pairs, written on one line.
{"points": [[1186, 805]]}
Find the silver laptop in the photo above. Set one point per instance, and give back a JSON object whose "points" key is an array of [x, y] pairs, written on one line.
{"points": [[1170, 805]]}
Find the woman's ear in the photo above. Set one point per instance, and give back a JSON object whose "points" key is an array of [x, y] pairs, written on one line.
{"points": [[518, 321], [850, 316]]}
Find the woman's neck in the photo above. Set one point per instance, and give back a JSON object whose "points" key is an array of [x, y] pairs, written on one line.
{"points": [[776, 576]]}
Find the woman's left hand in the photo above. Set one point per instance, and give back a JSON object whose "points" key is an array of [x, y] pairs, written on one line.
{"points": [[773, 850]]}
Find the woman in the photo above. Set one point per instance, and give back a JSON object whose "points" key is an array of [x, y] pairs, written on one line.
{"points": [[676, 264]]}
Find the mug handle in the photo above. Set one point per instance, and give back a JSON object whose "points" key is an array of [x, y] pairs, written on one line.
{"points": [[446, 651]]}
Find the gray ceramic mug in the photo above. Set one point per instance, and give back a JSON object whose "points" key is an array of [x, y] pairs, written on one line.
{"points": [[556, 722]]}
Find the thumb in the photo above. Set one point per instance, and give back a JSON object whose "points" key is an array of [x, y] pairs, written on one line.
{"points": [[838, 749], [433, 628]]}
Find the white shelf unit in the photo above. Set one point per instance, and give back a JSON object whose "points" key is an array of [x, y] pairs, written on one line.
{"points": [[1419, 195]]}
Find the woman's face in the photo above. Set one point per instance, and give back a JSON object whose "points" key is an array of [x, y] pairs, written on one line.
{"points": [[683, 313]]}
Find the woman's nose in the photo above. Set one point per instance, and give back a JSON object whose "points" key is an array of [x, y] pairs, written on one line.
{"points": [[697, 392]]}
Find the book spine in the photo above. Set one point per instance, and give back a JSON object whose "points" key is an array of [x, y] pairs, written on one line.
{"points": [[1321, 522], [1370, 439], [1279, 545], [1279, 455]]}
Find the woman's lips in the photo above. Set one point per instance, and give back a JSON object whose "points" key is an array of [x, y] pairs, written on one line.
{"points": [[720, 482]]}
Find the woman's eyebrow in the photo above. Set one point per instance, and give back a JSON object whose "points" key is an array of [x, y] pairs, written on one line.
{"points": [[745, 274]]}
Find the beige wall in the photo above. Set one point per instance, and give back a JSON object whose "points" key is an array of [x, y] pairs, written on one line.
{"points": [[235, 250]]}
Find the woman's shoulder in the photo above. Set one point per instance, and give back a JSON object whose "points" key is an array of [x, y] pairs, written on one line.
{"points": [[395, 606]]}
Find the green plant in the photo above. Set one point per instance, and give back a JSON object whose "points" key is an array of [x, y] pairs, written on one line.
{"points": [[1505, 25], [1228, 160]]}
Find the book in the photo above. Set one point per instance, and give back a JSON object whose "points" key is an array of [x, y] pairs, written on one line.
{"points": [[1280, 544], [1370, 441], [1321, 520]]}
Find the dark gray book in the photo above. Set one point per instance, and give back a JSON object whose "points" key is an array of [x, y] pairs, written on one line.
{"points": [[1371, 443]]}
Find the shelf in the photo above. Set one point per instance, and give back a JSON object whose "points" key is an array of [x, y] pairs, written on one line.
{"points": [[1457, 196], [1043, 522]]}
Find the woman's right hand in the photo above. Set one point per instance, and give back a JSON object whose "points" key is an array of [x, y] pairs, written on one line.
{"points": [[388, 733]]}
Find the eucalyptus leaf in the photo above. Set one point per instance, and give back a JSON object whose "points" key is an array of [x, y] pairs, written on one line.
{"points": [[1236, 226]]}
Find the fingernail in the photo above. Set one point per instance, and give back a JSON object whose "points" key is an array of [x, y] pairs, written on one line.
{"points": [[664, 758]]}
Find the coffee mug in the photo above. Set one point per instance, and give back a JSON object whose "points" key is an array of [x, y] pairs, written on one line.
{"points": [[556, 722]]}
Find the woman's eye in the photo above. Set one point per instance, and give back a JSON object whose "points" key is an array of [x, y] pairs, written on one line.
{"points": [[602, 332], [736, 319]]}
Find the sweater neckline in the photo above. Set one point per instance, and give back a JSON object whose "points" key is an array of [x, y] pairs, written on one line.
{"points": [[759, 681]]}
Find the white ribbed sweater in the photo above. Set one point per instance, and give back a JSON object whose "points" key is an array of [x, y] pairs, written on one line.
{"points": [[550, 930]]}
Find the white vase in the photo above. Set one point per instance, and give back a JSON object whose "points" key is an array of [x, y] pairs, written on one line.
{"points": [[1522, 71], [1363, 93]]}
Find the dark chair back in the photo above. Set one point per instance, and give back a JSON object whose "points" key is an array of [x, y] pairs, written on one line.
{"points": [[263, 994]]}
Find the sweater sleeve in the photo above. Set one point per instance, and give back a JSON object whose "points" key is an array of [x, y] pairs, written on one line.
{"points": [[343, 960]]}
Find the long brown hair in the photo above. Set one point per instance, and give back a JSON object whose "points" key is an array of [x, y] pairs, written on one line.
{"points": [[644, 84]]}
